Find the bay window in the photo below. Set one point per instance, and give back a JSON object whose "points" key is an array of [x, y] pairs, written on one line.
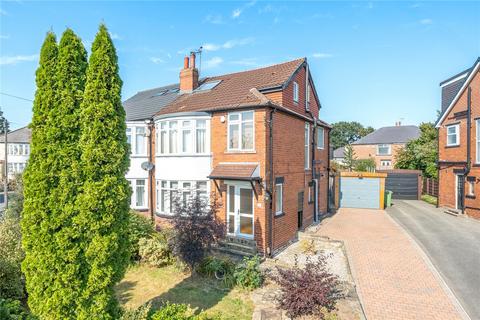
{"points": [[182, 137], [453, 135], [241, 131], [168, 192]]}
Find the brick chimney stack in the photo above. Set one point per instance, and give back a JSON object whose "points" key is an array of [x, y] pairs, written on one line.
{"points": [[189, 74]]}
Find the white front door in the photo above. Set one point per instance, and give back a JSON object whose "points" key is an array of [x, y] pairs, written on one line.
{"points": [[240, 209]]}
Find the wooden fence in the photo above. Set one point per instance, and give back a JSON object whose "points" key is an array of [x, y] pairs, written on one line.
{"points": [[430, 187]]}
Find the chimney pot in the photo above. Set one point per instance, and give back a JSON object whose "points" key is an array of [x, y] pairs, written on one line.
{"points": [[185, 63], [192, 60]]}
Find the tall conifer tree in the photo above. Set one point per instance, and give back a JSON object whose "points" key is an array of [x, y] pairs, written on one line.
{"points": [[56, 276], [104, 203]]}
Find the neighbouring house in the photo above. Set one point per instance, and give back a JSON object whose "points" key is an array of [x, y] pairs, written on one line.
{"points": [[459, 142], [383, 144], [253, 140], [18, 150], [339, 155]]}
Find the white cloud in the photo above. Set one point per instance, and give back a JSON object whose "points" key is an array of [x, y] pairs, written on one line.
{"points": [[115, 36], [214, 19], [212, 63], [4, 36], [228, 44], [12, 60], [426, 21], [322, 55], [157, 60], [238, 11]]}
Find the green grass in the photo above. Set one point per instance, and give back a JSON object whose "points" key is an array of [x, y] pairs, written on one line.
{"points": [[429, 199], [156, 285]]}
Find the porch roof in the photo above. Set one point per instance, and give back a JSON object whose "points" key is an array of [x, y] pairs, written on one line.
{"points": [[236, 171]]}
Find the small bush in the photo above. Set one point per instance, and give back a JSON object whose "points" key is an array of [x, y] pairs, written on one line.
{"points": [[311, 290], [308, 246], [139, 227], [248, 274], [172, 311], [13, 310], [141, 313], [155, 251]]}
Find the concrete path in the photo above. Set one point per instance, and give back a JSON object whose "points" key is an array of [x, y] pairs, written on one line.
{"points": [[394, 278], [452, 243]]}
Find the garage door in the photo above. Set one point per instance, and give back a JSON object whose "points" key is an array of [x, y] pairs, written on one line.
{"points": [[359, 192], [403, 185]]}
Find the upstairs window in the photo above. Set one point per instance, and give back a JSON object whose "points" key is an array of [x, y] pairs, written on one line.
{"points": [[384, 150], [307, 145], [308, 93], [240, 131], [295, 91], [453, 135], [320, 138], [140, 145], [187, 136], [278, 198], [478, 141]]}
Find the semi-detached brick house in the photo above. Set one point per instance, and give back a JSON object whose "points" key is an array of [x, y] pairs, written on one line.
{"points": [[251, 139], [459, 142]]}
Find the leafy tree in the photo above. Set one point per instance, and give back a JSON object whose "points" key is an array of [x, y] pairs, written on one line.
{"points": [[349, 158], [344, 133], [196, 229], [421, 153], [104, 201], [52, 236], [365, 165]]}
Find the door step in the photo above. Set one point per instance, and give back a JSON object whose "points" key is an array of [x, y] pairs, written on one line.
{"points": [[453, 212], [238, 246]]}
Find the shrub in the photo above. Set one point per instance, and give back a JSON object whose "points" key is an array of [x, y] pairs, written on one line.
{"points": [[13, 310], [155, 251], [308, 246], [307, 291], [196, 229], [247, 274], [141, 313], [138, 227], [365, 165], [172, 311]]}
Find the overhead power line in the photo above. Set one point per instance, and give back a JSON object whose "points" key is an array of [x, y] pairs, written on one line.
{"points": [[17, 97]]}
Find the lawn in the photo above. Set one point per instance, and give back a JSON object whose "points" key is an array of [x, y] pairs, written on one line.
{"points": [[429, 199], [146, 284]]}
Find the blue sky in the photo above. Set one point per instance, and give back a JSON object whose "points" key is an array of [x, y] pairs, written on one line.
{"points": [[373, 62]]}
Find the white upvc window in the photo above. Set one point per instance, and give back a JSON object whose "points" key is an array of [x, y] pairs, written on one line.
{"points": [[320, 138], [137, 138], [18, 149], [241, 135], [384, 149], [183, 136], [295, 91], [129, 137], [477, 143], [278, 198], [309, 89], [307, 145], [471, 187], [139, 193], [453, 135], [170, 191], [385, 163]]}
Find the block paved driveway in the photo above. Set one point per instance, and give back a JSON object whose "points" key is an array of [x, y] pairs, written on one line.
{"points": [[393, 278], [452, 243]]}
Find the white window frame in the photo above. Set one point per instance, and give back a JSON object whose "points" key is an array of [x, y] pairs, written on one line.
{"points": [[133, 139], [308, 93], [457, 134], [384, 145], [477, 144], [383, 163], [471, 187], [295, 92], [322, 145], [163, 127], [307, 146], [279, 209], [181, 191], [239, 122], [133, 201]]}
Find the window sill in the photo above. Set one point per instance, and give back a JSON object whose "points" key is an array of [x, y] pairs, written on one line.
{"points": [[164, 215], [452, 146], [240, 151], [173, 155], [138, 156], [279, 214]]}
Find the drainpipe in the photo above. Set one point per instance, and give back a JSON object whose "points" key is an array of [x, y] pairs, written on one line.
{"points": [[151, 185], [469, 135], [271, 183], [314, 133], [438, 166]]}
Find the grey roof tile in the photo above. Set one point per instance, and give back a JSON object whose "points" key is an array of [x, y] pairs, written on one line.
{"points": [[395, 134], [339, 152], [21, 135]]}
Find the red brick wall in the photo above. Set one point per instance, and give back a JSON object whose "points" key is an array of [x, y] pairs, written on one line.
{"points": [[287, 99], [365, 151], [447, 177]]}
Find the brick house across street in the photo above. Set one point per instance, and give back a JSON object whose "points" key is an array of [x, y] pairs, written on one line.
{"points": [[459, 142], [381, 145], [18, 151], [253, 140]]}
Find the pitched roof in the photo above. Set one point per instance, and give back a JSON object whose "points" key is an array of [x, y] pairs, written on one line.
{"points": [[21, 135], [144, 104], [472, 71], [339, 152], [395, 134], [233, 90]]}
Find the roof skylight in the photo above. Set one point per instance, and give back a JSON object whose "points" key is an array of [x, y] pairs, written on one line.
{"points": [[208, 85]]}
